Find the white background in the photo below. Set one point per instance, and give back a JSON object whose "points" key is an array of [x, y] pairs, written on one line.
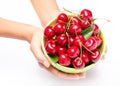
{"points": [[18, 67]]}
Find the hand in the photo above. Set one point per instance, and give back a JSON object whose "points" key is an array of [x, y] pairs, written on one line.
{"points": [[43, 62]]}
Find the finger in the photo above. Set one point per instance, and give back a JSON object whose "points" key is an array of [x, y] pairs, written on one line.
{"points": [[36, 49], [63, 75]]}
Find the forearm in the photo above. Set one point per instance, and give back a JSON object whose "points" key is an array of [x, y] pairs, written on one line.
{"points": [[46, 10], [16, 30]]}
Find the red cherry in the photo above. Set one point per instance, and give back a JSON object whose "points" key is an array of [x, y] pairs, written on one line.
{"points": [[73, 52], [74, 29], [96, 29], [64, 60], [96, 56], [86, 57], [78, 39], [75, 20], [49, 32], [61, 50], [62, 40], [91, 43], [51, 47], [86, 22], [62, 17], [60, 28], [78, 63], [71, 40], [99, 40], [86, 13]]}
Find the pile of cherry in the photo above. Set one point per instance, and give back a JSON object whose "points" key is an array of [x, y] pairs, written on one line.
{"points": [[75, 39]]}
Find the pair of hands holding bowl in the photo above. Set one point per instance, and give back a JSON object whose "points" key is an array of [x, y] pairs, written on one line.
{"points": [[46, 62]]}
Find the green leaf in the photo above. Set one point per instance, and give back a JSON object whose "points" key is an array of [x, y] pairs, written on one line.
{"points": [[54, 58], [87, 32]]}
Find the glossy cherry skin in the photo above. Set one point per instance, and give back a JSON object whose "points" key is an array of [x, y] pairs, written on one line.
{"points": [[86, 57], [96, 29], [62, 40], [49, 32], [91, 43], [61, 50], [96, 56], [73, 52], [71, 40], [60, 28], [75, 20], [51, 47], [86, 13], [62, 17], [74, 29], [86, 22], [64, 60], [99, 40], [78, 63], [79, 39]]}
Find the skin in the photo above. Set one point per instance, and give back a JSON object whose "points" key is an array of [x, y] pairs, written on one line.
{"points": [[32, 34]]}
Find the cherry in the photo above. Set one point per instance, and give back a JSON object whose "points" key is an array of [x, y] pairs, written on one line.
{"points": [[62, 17], [60, 28], [96, 56], [99, 40], [61, 50], [75, 20], [62, 40], [96, 29], [86, 22], [86, 57], [71, 40], [86, 13], [74, 30], [78, 39], [73, 52], [49, 32], [51, 47], [78, 63], [64, 60], [91, 43]]}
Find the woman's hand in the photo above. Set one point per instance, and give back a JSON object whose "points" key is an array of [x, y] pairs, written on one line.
{"points": [[35, 45]]}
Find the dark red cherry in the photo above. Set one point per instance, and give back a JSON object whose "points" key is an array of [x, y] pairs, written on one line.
{"points": [[86, 22], [64, 60], [78, 63], [91, 43], [99, 40], [49, 32], [96, 29], [62, 17], [73, 52], [51, 47], [71, 40], [75, 20], [60, 28], [96, 56], [86, 13], [62, 40], [61, 50], [86, 57], [78, 39], [74, 30]]}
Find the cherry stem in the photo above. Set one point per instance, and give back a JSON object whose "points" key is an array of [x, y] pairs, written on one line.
{"points": [[80, 49], [87, 49], [69, 11]]}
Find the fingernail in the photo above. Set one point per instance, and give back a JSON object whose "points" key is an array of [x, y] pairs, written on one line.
{"points": [[46, 64]]}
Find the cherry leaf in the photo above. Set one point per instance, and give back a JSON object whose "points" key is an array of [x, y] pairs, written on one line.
{"points": [[87, 32]]}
